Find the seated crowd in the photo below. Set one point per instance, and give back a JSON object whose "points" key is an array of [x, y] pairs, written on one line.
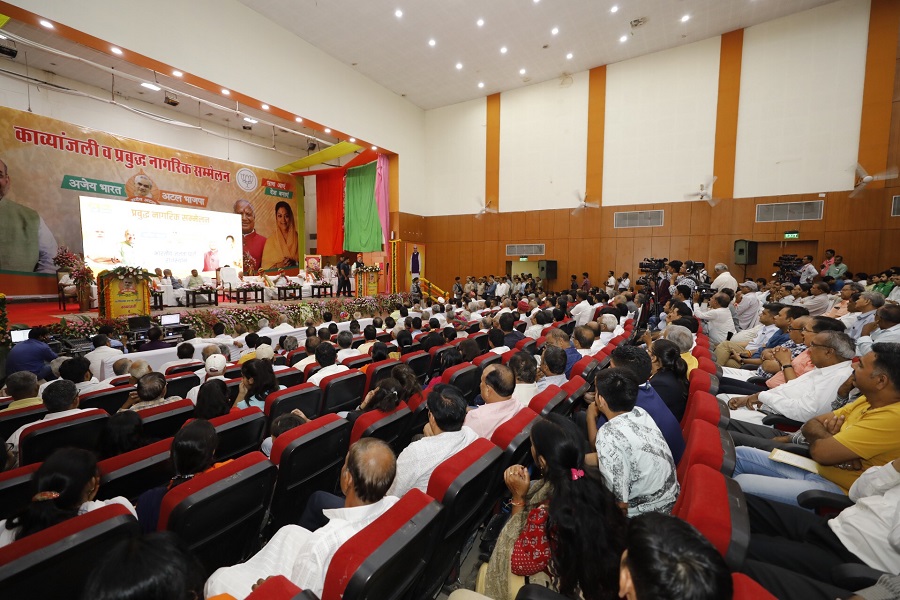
{"points": [[811, 368]]}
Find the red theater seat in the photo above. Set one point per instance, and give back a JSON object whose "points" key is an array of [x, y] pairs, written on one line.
{"points": [[54, 564], [81, 430], [295, 356], [707, 445], [11, 420], [551, 399], [504, 358], [185, 368], [306, 396], [715, 505], [586, 368], [165, 420], [746, 588], [384, 560], [703, 406], [576, 388], [513, 438], [133, 473], [527, 345], [180, 384], [488, 358], [110, 399], [342, 391], [309, 459], [239, 432], [378, 371], [355, 362], [220, 513], [699, 381], [16, 489], [466, 377], [384, 426], [419, 362], [289, 377]]}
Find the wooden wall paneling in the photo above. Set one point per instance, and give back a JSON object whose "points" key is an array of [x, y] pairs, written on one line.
{"points": [[859, 249], [592, 218], [464, 253], [504, 225], [576, 258], [463, 228], [666, 229], [545, 225], [607, 221], [561, 224], [894, 143], [720, 216], [700, 217], [625, 258], [532, 229], [839, 210], [698, 248], [576, 223], [494, 260], [642, 248], [680, 247], [721, 249], [887, 253], [608, 251], [743, 215], [681, 218], [491, 226], [517, 226], [590, 258], [659, 248]]}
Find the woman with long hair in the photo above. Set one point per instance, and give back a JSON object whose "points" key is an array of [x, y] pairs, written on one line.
{"points": [[212, 400], [281, 247], [123, 432], [193, 451], [64, 486], [565, 530], [409, 383], [668, 375], [257, 382], [383, 398]]}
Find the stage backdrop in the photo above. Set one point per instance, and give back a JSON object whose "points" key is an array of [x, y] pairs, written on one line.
{"points": [[48, 164]]}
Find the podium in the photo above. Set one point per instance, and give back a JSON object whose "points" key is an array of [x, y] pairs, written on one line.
{"points": [[123, 292], [367, 283]]}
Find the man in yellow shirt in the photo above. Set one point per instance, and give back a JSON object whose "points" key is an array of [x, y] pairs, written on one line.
{"points": [[22, 386], [844, 442]]}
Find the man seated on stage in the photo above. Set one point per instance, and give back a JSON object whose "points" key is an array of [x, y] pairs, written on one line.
{"points": [[177, 286], [304, 556], [844, 442], [194, 281]]}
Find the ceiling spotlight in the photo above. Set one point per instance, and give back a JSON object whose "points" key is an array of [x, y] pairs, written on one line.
{"points": [[151, 86], [624, 38], [298, 119], [536, 1], [521, 71], [265, 107], [374, 147], [251, 121], [352, 140], [327, 130], [171, 99], [431, 42], [177, 73], [458, 66], [481, 84], [226, 92], [311, 146], [569, 56], [554, 31], [503, 50], [398, 13], [685, 18], [614, 9], [46, 23], [480, 22], [115, 50]]}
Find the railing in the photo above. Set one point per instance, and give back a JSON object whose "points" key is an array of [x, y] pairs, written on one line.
{"points": [[429, 290]]}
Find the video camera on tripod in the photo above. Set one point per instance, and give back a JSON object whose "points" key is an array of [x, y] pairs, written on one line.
{"points": [[788, 265], [650, 266]]}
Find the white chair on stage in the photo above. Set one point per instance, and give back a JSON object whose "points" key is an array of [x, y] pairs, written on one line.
{"points": [[228, 280]]}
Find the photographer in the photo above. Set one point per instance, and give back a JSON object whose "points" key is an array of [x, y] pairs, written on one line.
{"points": [[678, 275]]}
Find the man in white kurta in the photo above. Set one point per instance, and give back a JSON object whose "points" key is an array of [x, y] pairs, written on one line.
{"points": [[304, 556]]}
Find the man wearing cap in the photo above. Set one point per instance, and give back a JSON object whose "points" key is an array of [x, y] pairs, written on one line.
{"points": [[746, 305], [266, 352], [215, 369]]}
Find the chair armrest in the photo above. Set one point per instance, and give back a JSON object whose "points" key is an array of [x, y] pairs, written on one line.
{"points": [[796, 449], [855, 576], [783, 423], [817, 499]]}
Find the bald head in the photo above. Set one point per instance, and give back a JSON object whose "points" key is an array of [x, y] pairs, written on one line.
{"points": [[557, 337], [121, 366], [368, 472], [497, 383]]}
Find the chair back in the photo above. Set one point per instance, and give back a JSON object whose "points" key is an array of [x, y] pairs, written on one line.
{"points": [[165, 420], [342, 391], [708, 445], [384, 426], [699, 381], [309, 459], [384, 560], [289, 377], [488, 358], [703, 406], [466, 377], [15, 489], [527, 345], [551, 399], [220, 513], [81, 430], [295, 356], [419, 362], [378, 371], [576, 388], [355, 362], [586, 368], [54, 564], [110, 399], [513, 437], [306, 396], [185, 368], [133, 473], [181, 383], [11, 420], [482, 338], [239, 432]]}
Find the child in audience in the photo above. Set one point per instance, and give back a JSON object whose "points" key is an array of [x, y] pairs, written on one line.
{"points": [[280, 424]]}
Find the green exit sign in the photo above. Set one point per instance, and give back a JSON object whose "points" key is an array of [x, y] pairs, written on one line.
{"points": [[792, 235], [523, 259]]}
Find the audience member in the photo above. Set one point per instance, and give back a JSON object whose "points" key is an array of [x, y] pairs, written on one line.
{"points": [[257, 382], [214, 369], [551, 371], [78, 371], [281, 424], [102, 349], [681, 337], [717, 317], [123, 432], [151, 392], [497, 386], [32, 355], [557, 337], [668, 375], [185, 353], [212, 400], [344, 341], [22, 387], [326, 356], [885, 328], [524, 367], [155, 342]]}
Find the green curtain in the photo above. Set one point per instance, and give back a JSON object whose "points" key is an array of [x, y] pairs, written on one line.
{"points": [[362, 227]]}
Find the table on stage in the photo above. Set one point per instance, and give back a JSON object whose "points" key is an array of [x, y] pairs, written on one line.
{"points": [[286, 293], [321, 290], [157, 299], [242, 295], [190, 297]]}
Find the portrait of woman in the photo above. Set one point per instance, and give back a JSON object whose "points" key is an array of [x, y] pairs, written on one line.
{"points": [[281, 247]]}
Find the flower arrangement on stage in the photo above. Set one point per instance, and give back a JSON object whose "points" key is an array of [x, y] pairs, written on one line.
{"points": [[251, 286], [202, 321], [369, 269], [136, 272], [83, 276], [208, 289], [250, 265], [5, 340], [67, 261]]}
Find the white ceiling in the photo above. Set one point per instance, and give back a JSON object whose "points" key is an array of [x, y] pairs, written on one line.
{"points": [[394, 52]]}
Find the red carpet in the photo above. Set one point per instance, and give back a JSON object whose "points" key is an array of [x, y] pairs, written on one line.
{"points": [[38, 313]]}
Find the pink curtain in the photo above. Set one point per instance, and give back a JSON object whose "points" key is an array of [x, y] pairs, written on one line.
{"points": [[330, 213], [382, 197]]}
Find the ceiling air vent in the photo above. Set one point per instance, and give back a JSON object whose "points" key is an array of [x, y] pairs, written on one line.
{"points": [[639, 218], [525, 249], [790, 211]]}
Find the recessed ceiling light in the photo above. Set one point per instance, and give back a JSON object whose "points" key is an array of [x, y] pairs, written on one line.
{"points": [[554, 31], [151, 86], [298, 119], [536, 1], [481, 84], [521, 71], [265, 107], [431, 42], [614, 9], [46, 23], [569, 56], [249, 120], [458, 66], [624, 38], [226, 92], [398, 13], [374, 147], [177, 73], [480, 22], [503, 50], [352, 140], [685, 18], [327, 130], [116, 50]]}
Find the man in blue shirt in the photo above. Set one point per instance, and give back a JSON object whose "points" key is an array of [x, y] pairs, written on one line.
{"points": [[32, 355], [557, 337]]}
